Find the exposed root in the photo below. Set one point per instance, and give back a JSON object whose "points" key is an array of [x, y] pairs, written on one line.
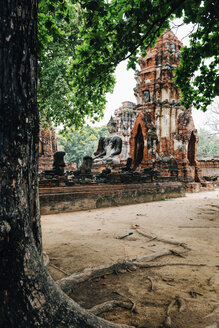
{"points": [[177, 253], [57, 268], [118, 267], [110, 305], [152, 257], [126, 265], [150, 288], [128, 299], [154, 238], [167, 322], [47, 262], [215, 312], [129, 265], [214, 325], [159, 265], [211, 281], [180, 303], [45, 259], [167, 241], [170, 306]]}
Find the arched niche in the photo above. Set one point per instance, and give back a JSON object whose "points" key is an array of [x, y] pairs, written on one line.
{"points": [[192, 149], [139, 147]]}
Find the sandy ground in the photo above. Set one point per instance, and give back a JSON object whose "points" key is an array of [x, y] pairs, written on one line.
{"points": [[77, 240]]}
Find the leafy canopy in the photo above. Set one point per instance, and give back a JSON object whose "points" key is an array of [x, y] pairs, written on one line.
{"points": [[82, 42], [204, 44]]}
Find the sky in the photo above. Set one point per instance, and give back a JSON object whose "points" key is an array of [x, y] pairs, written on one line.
{"points": [[123, 90]]}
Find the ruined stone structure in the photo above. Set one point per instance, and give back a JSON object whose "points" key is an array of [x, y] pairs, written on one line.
{"points": [[61, 195], [124, 117], [163, 146], [47, 148], [164, 136], [210, 169]]}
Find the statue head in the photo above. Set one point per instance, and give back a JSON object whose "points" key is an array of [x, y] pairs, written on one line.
{"points": [[111, 125]]}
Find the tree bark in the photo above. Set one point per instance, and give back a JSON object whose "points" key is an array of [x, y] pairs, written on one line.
{"points": [[28, 296]]}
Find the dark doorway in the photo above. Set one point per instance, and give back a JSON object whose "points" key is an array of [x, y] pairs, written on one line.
{"points": [[192, 149], [139, 147]]}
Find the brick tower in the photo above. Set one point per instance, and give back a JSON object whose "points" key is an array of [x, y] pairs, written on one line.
{"points": [[164, 136]]}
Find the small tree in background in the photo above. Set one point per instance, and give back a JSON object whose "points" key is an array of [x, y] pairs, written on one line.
{"points": [[208, 145], [212, 115], [78, 144]]}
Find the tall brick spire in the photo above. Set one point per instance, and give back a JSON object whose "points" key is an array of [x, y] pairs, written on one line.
{"points": [[164, 130], [154, 80]]}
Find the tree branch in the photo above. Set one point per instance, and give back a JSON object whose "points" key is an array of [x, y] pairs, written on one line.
{"points": [[156, 31]]}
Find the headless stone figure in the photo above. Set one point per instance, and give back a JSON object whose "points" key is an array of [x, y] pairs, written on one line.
{"points": [[112, 147], [58, 164]]}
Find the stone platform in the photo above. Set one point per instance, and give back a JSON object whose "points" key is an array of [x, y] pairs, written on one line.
{"points": [[210, 169], [199, 186], [81, 197]]}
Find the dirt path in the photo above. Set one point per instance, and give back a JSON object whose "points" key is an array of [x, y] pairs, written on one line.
{"points": [[77, 240]]}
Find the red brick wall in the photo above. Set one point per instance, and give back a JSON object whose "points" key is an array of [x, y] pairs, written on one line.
{"points": [[47, 148]]}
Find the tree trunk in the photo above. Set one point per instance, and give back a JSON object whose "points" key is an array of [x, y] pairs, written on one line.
{"points": [[28, 296]]}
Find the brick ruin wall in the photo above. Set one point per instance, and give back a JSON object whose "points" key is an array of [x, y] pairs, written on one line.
{"points": [[47, 148], [65, 197], [210, 169]]}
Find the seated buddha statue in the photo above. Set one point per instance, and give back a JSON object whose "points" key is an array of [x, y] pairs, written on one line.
{"points": [[112, 146]]}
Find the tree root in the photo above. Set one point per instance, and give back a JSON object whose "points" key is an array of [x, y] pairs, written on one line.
{"points": [[215, 312], [45, 259], [117, 267], [57, 268], [150, 288], [180, 303], [110, 305], [159, 265], [154, 256], [177, 253], [47, 262], [67, 283], [167, 241]]}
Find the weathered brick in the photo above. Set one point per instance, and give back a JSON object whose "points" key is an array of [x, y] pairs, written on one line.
{"points": [[164, 129]]}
